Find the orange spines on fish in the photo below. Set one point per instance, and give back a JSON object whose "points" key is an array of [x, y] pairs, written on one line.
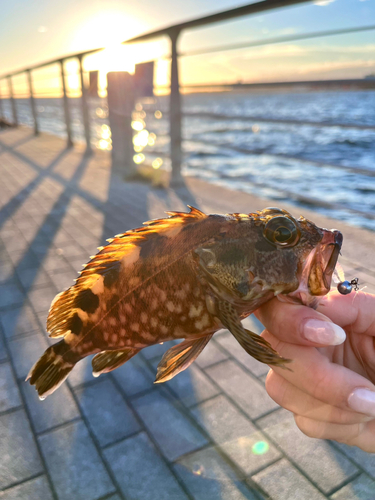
{"points": [[181, 277]]}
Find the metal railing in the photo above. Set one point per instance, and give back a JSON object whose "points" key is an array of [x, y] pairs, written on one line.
{"points": [[173, 33]]}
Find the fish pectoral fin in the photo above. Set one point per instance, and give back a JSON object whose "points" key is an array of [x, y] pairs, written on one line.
{"points": [[180, 357], [254, 344], [106, 361]]}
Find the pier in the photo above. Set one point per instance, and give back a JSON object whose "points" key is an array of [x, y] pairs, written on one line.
{"points": [[210, 433]]}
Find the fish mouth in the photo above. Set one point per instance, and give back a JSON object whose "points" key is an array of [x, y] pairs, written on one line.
{"points": [[324, 262], [316, 274]]}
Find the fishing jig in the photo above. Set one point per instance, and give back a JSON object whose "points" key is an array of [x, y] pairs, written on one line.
{"points": [[345, 287]]}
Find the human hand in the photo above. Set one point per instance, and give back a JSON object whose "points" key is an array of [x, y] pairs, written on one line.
{"points": [[330, 389]]}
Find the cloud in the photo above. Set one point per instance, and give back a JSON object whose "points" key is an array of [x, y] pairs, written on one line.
{"points": [[322, 3]]}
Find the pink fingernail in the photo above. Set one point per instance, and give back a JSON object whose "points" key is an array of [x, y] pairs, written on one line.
{"points": [[322, 332], [363, 401]]}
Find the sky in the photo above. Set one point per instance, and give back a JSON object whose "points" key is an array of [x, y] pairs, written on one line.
{"points": [[33, 31]]}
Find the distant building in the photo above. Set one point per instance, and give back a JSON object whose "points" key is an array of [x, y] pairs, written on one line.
{"points": [[370, 77], [93, 90], [144, 79]]}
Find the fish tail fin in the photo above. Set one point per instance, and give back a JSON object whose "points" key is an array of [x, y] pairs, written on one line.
{"points": [[50, 371]]}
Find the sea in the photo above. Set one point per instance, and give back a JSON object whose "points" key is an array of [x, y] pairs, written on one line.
{"points": [[314, 149]]}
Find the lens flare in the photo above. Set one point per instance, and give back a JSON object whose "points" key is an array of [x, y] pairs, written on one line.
{"points": [[260, 447]]}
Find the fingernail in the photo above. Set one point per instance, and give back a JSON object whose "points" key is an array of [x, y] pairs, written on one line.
{"points": [[363, 401], [323, 332]]}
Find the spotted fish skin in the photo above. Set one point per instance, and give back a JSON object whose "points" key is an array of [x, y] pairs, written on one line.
{"points": [[171, 279]]}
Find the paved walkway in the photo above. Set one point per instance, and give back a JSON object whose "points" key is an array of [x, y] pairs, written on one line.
{"points": [[210, 433]]}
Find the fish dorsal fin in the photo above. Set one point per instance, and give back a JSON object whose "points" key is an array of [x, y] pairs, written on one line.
{"points": [[122, 251], [127, 243], [107, 361], [180, 357]]}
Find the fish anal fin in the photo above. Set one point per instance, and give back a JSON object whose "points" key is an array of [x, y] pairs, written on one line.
{"points": [[254, 344], [180, 357], [106, 361]]}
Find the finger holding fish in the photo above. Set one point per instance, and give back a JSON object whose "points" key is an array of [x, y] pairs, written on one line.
{"points": [[360, 434], [298, 324], [313, 373], [290, 397]]}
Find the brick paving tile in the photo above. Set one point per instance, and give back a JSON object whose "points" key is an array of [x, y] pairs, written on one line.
{"points": [[81, 373], [42, 297], [140, 471], [235, 434], [208, 476], [210, 355], [134, 376], [19, 321], [248, 393], [35, 489], [11, 295], [191, 386], [6, 272], [317, 458], [230, 344], [25, 351], [109, 416], [157, 350], [75, 467], [3, 353], [361, 488], [19, 457], [24, 261], [34, 277], [283, 482], [173, 432], [365, 460], [9, 394], [57, 409], [63, 280]]}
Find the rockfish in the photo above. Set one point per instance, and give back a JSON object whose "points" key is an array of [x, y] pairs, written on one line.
{"points": [[184, 277]]}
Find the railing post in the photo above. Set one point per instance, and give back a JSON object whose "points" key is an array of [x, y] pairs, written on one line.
{"points": [[66, 106], [175, 114], [32, 102], [85, 109], [13, 102]]}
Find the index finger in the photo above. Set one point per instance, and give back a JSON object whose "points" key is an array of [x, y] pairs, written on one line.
{"points": [[313, 373], [357, 310], [298, 324]]}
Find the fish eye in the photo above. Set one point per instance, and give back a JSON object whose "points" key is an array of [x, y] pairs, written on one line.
{"points": [[281, 231]]}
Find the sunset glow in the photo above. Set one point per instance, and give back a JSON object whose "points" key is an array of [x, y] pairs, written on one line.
{"points": [[107, 24]]}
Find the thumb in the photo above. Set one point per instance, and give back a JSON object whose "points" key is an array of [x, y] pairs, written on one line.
{"points": [[298, 324]]}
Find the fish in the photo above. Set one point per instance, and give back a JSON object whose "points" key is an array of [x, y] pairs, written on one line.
{"points": [[184, 276]]}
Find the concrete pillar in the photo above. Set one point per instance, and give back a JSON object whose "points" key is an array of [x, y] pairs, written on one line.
{"points": [[66, 107], [120, 90], [175, 115], [13, 102], [85, 107], [32, 103]]}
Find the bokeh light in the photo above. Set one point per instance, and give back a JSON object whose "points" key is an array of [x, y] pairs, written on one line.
{"points": [[157, 163], [140, 158]]}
